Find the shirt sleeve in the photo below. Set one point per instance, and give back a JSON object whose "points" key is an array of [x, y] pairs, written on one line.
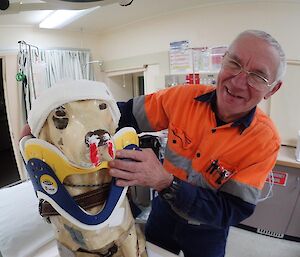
{"points": [[127, 118], [145, 113], [215, 208], [232, 203]]}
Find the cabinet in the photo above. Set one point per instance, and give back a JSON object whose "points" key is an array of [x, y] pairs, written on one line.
{"points": [[279, 215], [203, 77], [294, 224]]}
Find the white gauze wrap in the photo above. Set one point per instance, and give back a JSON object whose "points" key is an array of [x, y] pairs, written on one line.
{"points": [[68, 91]]}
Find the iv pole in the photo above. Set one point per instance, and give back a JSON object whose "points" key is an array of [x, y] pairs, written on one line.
{"points": [[29, 46]]}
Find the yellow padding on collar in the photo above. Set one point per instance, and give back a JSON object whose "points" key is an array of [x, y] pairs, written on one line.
{"points": [[124, 137], [40, 149], [35, 148]]}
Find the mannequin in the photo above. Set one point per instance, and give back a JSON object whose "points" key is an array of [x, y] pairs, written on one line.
{"points": [[74, 127]]}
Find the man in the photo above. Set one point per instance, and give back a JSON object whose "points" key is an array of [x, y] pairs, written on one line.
{"points": [[220, 149]]}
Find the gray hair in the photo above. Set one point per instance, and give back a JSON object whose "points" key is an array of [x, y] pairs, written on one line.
{"points": [[273, 42]]}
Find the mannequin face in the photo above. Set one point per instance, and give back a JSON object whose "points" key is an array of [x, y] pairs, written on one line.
{"points": [[73, 126]]}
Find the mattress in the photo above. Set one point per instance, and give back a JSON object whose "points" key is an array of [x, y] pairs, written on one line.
{"points": [[24, 233]]}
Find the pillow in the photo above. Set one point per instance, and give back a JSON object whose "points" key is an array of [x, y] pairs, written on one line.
{"points": [[22, 230]]}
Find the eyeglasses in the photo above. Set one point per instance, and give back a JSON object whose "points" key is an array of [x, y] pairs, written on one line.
{"points": [[254, 80]]}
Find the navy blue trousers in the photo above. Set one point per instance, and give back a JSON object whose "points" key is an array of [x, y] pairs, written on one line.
{"points": [[169, 231]]}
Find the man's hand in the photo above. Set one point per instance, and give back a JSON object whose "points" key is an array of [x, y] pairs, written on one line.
{"points": [[144, 169]]}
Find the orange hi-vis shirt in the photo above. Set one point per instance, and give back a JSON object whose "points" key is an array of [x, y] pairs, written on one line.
{"points": [[195, 142]]}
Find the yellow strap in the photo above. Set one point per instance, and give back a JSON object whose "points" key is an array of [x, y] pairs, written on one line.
{"points": [[62, 167]]}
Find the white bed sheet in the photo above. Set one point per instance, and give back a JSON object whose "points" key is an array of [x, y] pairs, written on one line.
{"points": [[22, 229], [23, 233]]}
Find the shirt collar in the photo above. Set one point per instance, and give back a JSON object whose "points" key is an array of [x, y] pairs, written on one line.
{"points": [[243, 122]]}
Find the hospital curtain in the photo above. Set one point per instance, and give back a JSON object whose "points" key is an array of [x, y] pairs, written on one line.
{"points": [[66, 64], [43, 68]]}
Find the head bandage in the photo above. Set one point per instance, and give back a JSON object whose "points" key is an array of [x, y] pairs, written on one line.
{"points": [[65, 92]]}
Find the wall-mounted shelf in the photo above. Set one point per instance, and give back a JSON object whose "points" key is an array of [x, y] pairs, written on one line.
{"points": [[203, 77]]}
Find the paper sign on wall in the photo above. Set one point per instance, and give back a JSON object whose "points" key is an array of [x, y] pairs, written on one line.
{"points": [[180, 57]]}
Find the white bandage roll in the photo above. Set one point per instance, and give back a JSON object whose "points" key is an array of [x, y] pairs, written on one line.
{"points": [[68, 91]]}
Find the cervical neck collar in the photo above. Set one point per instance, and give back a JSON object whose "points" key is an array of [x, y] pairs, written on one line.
{"points": [[48, 167]]}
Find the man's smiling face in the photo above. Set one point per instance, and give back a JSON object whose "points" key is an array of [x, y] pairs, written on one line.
{"points": [[235, 98]]}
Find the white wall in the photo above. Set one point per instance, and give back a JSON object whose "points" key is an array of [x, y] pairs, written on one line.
{"points": [[45, 39], [121, 87], [147, 42], [204, 26], [210, 25]]}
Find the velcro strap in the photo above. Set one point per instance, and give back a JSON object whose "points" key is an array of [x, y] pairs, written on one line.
{"points": [[109, 253], [86, 200]]}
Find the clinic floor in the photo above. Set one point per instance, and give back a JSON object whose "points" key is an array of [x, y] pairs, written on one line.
{"points": [[243, 243]]}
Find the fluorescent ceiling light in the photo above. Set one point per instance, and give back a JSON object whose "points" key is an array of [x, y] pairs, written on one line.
{"points": [[60, 18]]}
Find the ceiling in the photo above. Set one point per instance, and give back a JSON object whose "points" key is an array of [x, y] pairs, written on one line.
{"points": [[109, 17]]}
